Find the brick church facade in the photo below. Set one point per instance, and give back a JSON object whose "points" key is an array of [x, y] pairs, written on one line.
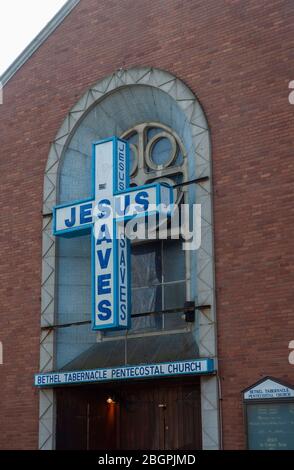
{"points": [[236, 58]]}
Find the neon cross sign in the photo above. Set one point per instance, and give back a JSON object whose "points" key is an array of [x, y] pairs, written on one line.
{"points": [[104, 216]]}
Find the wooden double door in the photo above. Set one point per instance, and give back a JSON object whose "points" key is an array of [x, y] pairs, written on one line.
{"points": [[146, 415]]}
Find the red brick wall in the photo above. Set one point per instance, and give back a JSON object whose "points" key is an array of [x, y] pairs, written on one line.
{"points": [[238, 57]]}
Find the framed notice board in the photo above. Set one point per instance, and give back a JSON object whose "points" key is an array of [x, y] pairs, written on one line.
{"points": [[269, 415]]}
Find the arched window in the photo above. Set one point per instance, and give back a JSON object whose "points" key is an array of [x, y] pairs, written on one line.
{"points": [[169, 141], [154, 125]]}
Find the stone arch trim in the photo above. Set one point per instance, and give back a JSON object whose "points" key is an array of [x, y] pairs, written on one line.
{"points": [[206, 322], [138, 76]]}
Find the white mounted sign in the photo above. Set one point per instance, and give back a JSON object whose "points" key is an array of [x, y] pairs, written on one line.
{"points": [[268, 389], [192, 367], [104, 216]]}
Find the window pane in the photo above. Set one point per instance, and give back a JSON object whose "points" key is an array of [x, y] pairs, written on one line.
{"points": [[174, 297], [149, 323], [74, 303], [161, 151], [146, 265], [75, 271], [152, 131], [146, 299], [73, 341], [173, 261], [74, 280], [76, 246]]}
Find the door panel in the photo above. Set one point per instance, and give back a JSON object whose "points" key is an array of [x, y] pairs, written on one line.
{"points": [[71, 425], [103, 423], [183, 420], [85, 420], [147, 415], [140, 427]]}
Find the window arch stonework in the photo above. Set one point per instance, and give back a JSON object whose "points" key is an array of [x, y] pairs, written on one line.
{"points": [[148, 165]]}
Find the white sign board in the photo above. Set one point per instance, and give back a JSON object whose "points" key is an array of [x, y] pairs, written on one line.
{"points": [[268, 389], [166, 369]]}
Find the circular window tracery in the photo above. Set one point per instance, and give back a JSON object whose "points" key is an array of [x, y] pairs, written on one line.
{"points": [[156, 153]]}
